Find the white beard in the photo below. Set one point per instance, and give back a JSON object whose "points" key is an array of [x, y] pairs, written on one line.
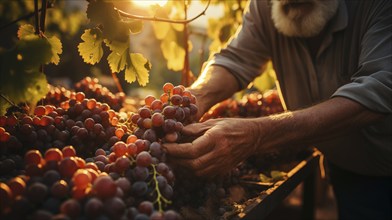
{"points": [[303, 21]]}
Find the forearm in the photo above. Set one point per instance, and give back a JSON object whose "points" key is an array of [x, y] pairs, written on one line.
{"points": [[315, 124], [214, 84]]}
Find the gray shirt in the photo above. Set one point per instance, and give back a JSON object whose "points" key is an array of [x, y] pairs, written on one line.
{"points": [[353, 61]]}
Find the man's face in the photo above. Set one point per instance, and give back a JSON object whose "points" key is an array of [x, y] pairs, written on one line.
{"points": [[302, 18]]}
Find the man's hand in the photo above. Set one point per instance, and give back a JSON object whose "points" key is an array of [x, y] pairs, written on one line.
{"points": [[220, 145], [223, 143]]}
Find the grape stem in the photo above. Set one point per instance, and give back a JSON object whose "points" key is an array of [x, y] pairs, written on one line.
{"points": [[185, 21], [36, 17], [44, 5], [9, 101], [115, 78], [160, 198]]}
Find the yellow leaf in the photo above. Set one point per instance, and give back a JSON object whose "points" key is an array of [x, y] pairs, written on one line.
{"points": [[140, 67], [56, 48], [26, 30], [91, 49]]}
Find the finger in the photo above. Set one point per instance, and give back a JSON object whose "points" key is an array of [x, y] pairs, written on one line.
{"points": [[197, 148], [197, 129]]}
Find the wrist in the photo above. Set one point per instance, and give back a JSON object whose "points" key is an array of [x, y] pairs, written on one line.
{"points": [[275, 131]]}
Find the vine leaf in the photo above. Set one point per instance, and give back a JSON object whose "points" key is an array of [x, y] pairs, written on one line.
{"points": [[91, 49], [161, 29], [136, 66], [173, 53], [26, 58], [139, 67], [34, 87], [266, 80], [26, 33], [57, 49], [26, 30], [103, 13], [100, 12], [119, 57], [21, 80]]}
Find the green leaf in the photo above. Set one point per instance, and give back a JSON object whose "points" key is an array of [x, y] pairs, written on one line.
{"points": [[26, 30], [20, 82], [225, 32], [91, 49], [56, 46], [139, 69], [266, 80], [100, 11], [278, 175], [119, 57], [30, 53], [117, 46], [161, 29], [136, 65], [264, 178], [173, 53]]}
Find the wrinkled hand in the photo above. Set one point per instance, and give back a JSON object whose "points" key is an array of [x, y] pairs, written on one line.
{"points": [[221, 144]]}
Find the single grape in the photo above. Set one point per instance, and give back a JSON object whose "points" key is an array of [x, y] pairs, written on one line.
{"points": [[33, 157], [143, 159], [39, 110], [149, 99], [93, 207], [71, 208], [168, 87], [150, 135], [68, 167], [144, 112], [139, 188], [122, 164], [53, 154], [169, 112], [104, 187], [146, 207], [81, 179]]}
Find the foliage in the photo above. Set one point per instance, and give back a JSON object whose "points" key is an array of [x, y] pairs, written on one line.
{"points": [[171, 35], [60, 20], [114, 31], [221, 29], [21, 78]]}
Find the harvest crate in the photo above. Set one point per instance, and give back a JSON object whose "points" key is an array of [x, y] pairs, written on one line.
{"points": [[262, 205]]}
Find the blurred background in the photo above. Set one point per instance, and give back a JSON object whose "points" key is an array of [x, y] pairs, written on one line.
{"points": [[68, 20]]}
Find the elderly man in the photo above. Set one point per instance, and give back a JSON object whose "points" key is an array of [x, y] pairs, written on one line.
{"points": [[333, 60]]}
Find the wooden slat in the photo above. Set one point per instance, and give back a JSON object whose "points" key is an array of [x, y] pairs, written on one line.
{"points": [[273, 196]]}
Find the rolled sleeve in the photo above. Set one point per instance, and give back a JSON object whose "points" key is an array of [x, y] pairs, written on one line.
{"points": [[371, 85], [370, 92], [246, 52]]}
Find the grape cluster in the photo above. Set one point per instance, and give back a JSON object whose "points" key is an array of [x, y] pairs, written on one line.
{"points": [[81, 160], [92, 89], [252, 105], [56, 95], [162, 119], [60, 185], [77, 157]]}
